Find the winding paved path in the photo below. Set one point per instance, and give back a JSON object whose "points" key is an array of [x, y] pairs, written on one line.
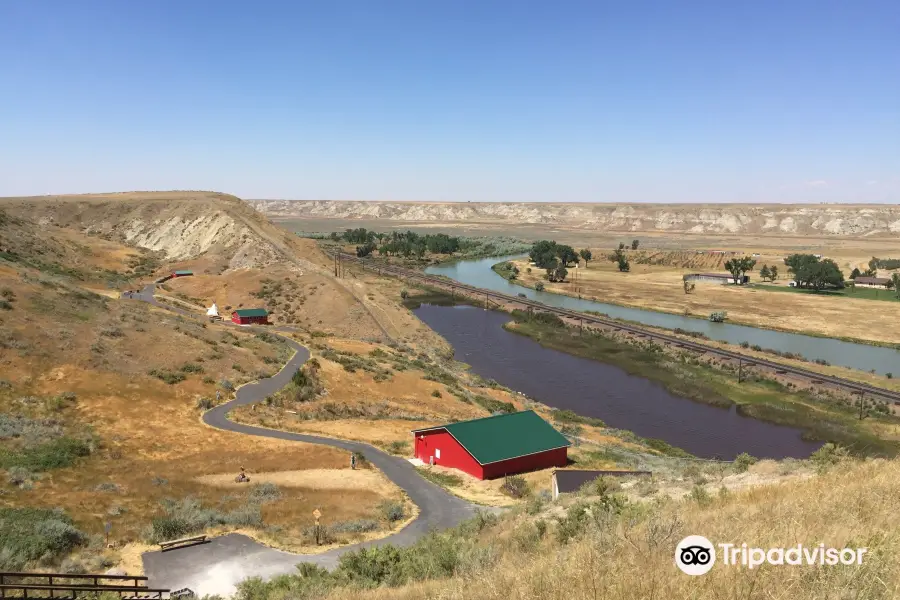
{"points": [[216, 567]]}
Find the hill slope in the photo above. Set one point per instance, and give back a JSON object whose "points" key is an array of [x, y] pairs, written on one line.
{"points": [[220, 228], [772, 219]]}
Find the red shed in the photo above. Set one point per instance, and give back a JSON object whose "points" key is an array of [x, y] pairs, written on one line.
{"points": [[250, 316], [494, 446]]}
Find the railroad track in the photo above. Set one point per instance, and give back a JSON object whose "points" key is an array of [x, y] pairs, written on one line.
{"points": [[584, 318]]}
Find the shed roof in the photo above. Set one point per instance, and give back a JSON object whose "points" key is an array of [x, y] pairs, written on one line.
{"points": [[502, 437], [872, 280], [571, 480], [252, 312], [184, 272]]}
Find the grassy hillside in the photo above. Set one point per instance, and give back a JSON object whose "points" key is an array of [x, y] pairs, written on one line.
{"points": [[617, 542]]}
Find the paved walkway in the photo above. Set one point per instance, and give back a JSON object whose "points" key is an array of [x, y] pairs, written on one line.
{"points": [[216, 567]]}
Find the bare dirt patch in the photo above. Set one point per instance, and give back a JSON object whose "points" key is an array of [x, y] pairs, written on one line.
{"points": [[313, 479]]}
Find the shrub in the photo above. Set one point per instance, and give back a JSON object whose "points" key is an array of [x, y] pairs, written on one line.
{"points": [[441, 479], [226, 385], [107, 486], [391, 511], [264, 492], [718, 316], [191, 368], [534, 505], [168, 377], [827, 456], [31, 534], [515, 486], [743, 461], [745, 344], [398, 447], [889, 375], [358, 526], [56, 454], [160, 481], [539, 286], [20, 477], [573, 523], [700, 495], [5, 305], [404, 293], [205, 403], [436, 394], [568, 416]]}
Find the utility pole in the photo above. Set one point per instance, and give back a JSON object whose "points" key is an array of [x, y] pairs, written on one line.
{"points": [[740, 369], [861, 403]]}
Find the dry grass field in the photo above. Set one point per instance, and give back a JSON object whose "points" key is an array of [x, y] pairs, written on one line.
{"points": [[630, 555], [100, 400], [659, 286]]}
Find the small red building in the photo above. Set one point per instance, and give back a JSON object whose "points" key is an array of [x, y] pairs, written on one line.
{"points": [[494, 446], [250, 316]]}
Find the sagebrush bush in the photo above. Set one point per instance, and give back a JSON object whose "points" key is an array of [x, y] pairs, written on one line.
{"points": [[391, 511], [31, 534], [515, 486]]}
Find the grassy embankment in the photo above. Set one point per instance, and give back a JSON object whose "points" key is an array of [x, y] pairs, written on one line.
{"points": [[609, 541], [848, 292], [821, 418], [849, 317]]}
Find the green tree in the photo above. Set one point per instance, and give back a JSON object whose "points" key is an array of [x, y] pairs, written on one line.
{"points": [[764, 272], [773, 272], [635, 244], [823, 274], [621, 245], [855, 273], [738, 266], [624, 265], [895, 279], [586, 255], [560, 273]]}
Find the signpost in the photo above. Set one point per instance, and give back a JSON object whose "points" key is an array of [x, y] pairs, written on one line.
{"points": [[107, 527]]}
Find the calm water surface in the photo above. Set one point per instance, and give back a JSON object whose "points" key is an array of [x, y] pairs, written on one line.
{"points": [[600, 390], [837, 352]]}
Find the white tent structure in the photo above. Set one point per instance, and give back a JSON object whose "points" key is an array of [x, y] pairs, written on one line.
{"points": [[212, 311]]}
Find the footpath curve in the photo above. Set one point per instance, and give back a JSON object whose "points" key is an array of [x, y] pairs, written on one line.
{"points": [[218, 566]]}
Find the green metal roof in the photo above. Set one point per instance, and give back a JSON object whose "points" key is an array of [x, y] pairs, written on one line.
{"points": [[502, 437], [252, 312], [184, 272]]}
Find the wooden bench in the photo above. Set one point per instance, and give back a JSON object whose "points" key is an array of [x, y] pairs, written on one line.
{"points": [[182, 543]]}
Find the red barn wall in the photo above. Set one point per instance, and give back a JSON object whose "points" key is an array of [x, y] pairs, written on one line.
{"points": [[452, 454], [523, 464]]}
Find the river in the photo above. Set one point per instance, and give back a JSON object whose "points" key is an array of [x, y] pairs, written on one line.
{"points": [[837, 352], [596, 389]]}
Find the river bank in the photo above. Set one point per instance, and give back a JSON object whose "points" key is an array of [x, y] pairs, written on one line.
{"points": [[863, 357], [662, 292], [822, 418], [503, 270]]}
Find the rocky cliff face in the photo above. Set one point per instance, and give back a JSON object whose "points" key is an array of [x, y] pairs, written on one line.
{"points": [[183, 225], [773, 219]]}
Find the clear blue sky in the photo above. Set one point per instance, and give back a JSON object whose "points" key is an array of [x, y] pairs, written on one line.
{"points": [[489, 100]]}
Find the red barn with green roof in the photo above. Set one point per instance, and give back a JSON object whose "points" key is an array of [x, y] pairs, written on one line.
{"points": [[250, 316], [494, 446]]}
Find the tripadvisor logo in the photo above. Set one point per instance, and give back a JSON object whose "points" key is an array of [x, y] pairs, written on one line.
{"points": [[696, 555]]}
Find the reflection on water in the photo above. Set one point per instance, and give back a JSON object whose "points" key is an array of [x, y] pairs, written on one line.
{"points": [[600, 390], [837, 352]]}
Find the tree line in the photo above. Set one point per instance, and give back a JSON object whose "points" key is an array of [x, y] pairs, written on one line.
{"points": [[398, 243]]}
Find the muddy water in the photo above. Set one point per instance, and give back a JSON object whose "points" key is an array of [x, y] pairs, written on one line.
{"points": [[600, 390]]}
